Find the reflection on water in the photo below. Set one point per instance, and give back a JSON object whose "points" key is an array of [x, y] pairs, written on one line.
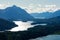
{"points": [[22, 25], [43, 24], [49, 37], [25, 25]]}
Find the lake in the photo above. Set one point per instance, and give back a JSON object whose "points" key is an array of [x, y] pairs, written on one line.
{"points": [[49, 37], [24, 25]]}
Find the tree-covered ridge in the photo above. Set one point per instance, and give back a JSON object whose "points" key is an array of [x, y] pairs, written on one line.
{"points": [[6, 25]]}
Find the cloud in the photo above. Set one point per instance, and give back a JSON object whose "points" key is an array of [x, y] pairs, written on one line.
{"points": [[50, 6], [2, 6], [41, 8], [33, 8]]}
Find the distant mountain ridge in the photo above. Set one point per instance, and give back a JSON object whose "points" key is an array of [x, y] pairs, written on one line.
{"points": [[15, 13], [46, 15]]}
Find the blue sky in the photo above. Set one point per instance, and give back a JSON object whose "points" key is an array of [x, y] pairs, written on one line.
{"points": [[32, 4]]}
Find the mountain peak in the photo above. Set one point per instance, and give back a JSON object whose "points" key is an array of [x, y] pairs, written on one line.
{"points": [[14, 6], [15, 13]]}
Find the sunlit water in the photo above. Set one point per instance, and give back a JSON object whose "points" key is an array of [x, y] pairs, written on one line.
{"points": [[43, 24], [24, 25], [49, 37]]}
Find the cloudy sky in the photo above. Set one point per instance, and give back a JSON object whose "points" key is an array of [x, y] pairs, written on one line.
{"points": [[32, 5]]}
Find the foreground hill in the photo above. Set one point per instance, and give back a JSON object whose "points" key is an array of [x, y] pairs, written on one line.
{"points": [[53, 26], [6, 25]]}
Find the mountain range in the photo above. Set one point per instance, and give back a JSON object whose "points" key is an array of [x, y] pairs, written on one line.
{"points": [[46, 15], [15, 13]]}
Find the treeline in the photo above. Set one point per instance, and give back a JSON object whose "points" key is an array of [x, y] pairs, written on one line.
{"points": [[37, 31]]}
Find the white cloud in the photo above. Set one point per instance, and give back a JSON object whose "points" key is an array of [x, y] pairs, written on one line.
{"points": [[2, 6], [40, 8], [34, 8], [50, 6]]}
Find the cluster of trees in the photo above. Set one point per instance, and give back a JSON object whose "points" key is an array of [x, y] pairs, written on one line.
{"points": [[53, 26], [37, 31], [6, 25]]}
